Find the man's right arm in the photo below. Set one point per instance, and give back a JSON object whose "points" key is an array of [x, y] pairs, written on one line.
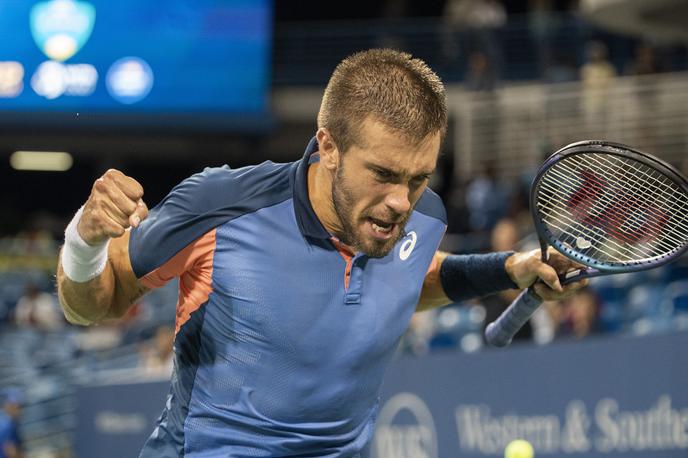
{"points": [[107, 296], [115, 205]]}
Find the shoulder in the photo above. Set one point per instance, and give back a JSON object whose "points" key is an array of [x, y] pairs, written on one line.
{"points": [[201, 203], [217, 188], [431, 205]]}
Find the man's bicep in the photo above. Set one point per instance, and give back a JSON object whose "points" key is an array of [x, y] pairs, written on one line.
{"points": [[128, 288]]}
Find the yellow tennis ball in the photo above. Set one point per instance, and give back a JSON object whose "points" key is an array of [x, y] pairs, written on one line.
{"points": [[519, 449]]}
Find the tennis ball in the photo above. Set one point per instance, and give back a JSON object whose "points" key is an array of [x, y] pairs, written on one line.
{"points": [[519, 449]]}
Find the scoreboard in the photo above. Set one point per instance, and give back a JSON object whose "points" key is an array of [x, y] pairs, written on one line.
{"points": [[187, 63]]}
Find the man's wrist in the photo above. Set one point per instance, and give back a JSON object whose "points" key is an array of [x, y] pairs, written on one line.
{"points": [[509, 268], [82, 262], [475, 275]]}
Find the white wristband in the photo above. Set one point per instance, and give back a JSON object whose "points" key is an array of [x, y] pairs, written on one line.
{"points": [[82, 262]]}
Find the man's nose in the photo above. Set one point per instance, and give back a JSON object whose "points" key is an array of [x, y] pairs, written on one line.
{"points": [[398, 199]]}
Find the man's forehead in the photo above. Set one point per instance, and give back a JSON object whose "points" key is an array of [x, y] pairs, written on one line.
{"points": [[403, 156], [403, 165]]}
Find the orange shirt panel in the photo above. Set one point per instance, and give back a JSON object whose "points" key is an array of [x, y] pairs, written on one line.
{"points": [[194, 267]]}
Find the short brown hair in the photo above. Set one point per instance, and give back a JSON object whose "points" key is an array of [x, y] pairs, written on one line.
{"points": [[391, 86]]}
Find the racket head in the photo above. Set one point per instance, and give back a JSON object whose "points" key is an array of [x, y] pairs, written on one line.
{"points": [[611, 207]]}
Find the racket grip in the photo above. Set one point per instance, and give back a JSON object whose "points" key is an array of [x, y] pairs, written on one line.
{"points": [[500, 332]]}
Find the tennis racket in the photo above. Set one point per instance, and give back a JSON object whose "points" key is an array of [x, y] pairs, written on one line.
{"points": [[607, 206]]}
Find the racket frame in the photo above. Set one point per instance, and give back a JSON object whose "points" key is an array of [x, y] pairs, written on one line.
{"points": [[500, 332], [595, 268]]}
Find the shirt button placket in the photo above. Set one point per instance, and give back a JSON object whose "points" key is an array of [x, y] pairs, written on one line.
{"points": [[353, 294]]}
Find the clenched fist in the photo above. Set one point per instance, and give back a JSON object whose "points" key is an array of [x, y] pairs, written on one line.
{"points": [[114, 205]]}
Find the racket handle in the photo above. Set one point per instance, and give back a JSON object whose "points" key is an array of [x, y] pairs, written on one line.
{"points": [[500, 332]]}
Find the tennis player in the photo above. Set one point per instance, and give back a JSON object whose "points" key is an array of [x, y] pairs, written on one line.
{"points": [[296, 280]]}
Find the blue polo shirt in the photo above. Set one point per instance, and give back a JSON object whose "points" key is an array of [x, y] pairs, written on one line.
{"points": [[283, 336]]}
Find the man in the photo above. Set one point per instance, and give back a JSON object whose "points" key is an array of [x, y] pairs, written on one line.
{"points": [[296, 280]]}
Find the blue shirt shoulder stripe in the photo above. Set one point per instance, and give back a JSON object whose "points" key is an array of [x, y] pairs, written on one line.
{"points": [[431, 205], [202, 202]]}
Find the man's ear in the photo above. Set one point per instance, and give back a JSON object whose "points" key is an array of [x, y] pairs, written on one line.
{"points": [[329, 153]]}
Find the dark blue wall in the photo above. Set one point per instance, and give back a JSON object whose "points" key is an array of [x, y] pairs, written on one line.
{"points": [[622, 397]]}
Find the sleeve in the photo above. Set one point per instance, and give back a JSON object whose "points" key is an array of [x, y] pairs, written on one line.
{"points": [[174, 233], [197, 205], [196, 258]]}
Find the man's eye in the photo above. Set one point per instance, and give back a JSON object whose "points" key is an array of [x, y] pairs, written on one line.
{"points": [[382, 173]]}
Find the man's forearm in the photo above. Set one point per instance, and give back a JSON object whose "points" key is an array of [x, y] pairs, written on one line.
{"points": [[95, 279], [106, 296], [88, 302], [432, 294]]}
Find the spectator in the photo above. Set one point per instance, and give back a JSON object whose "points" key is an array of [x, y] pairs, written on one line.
{"points": [[421, 329], [597, 76], [470, 26], [487, 199], [10, 441], [645, 62], [560, 69], [157, 355], [542, 25], [390, 36], [481, 76], [458, 214], [39, 310], [579, 315], [647, 95]]}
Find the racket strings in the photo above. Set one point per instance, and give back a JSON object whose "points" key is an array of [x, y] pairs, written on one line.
{"points": [[668, 244], [656, 185], [618, 209], [570, 231], [665, 244], [638, 196], [653, 180], [613, 214], [570, 236], [680, 202], [600, 246], [576, 186]]}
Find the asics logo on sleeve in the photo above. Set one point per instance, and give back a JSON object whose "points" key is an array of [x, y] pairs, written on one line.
{"points": [[407, 247]]}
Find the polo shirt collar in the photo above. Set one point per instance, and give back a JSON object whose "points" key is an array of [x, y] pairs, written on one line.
{"points": [[308, 222]]}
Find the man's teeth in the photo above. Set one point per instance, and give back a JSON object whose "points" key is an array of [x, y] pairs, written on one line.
{"points": [[384, 230]]}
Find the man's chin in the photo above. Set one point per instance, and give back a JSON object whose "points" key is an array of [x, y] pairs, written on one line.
{"points": [[377, 249]]}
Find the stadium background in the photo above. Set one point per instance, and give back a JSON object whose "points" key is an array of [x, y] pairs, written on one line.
{"points": [[601, 374]]}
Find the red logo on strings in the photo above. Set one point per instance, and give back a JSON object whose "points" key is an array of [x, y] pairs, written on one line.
{"points": [[643, 222]]}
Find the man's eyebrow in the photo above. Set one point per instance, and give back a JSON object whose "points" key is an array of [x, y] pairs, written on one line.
{"points": [[396, 173]]}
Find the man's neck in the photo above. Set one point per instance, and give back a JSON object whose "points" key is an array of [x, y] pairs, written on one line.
{"points": [[320, 196]]}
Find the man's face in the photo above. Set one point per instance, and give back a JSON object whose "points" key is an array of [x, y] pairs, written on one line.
{"points": [[377, 183]]}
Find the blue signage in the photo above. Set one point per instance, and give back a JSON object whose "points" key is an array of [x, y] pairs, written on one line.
{"points": [[599, 398], [114, 421], [135, 59]]}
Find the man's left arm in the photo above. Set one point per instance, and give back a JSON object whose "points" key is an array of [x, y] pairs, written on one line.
{"points": [[454, 278]]}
